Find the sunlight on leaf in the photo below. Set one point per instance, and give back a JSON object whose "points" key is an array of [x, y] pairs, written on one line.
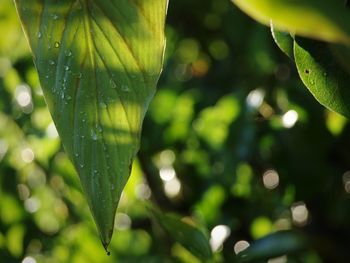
{"points": [[98, 63], [321, 19]]}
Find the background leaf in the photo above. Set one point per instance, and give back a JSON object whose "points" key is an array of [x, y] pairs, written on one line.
{"points": [[283, 40], [186, 234], [322, 19], [274, 245], [322, 75], [98, 64]]}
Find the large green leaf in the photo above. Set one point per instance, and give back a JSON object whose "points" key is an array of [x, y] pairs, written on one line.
{"points": [[322, 75], [322, 19], [98, 63]]}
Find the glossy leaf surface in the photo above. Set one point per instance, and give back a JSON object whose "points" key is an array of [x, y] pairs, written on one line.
{"points": [[322, 75], [98, 63], [322, 19]]}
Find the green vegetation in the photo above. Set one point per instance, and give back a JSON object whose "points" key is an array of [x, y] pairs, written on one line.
{"points": [[235, 151]]}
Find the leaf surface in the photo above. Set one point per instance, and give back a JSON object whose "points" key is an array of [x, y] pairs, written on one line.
{"points": [[284, 41], [98, 63], [322, 75], [321, 19]]}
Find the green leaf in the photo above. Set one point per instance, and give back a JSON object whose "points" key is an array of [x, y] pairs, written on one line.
{"points": [[98, 63], [322, 75], [273, 245], [284, 41], [321, 19], [186, 234]]}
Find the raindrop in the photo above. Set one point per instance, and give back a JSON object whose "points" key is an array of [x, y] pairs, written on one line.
{"points": [[125, 88], [39, 34], [112, 187], [81, 165], [51, 62], [66, 68], [93, 135], [79, 75], [77, 155], [68, 53], [57, 44], [103, 105], [113, 84], [55, 16], [312, 82]]}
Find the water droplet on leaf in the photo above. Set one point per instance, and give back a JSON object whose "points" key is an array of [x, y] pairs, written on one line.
{"points": [[125, 88]]}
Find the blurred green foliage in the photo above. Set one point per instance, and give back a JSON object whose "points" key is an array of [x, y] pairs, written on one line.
{"points": [[233, 144]]}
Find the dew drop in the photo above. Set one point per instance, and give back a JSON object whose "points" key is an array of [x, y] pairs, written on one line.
{"points": [[112, 187], [51, 62], [103, 105], [125, 88], [113, 84], [55, 16], [57, 44], [66, 68], [68, 53], [77, 155], [93, 135], [39, 34], [81, 165]]}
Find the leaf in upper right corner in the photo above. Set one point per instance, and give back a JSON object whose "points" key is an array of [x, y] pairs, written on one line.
{"points": [[326, 20], [322, 75], [186, 234], [283, 40]]}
